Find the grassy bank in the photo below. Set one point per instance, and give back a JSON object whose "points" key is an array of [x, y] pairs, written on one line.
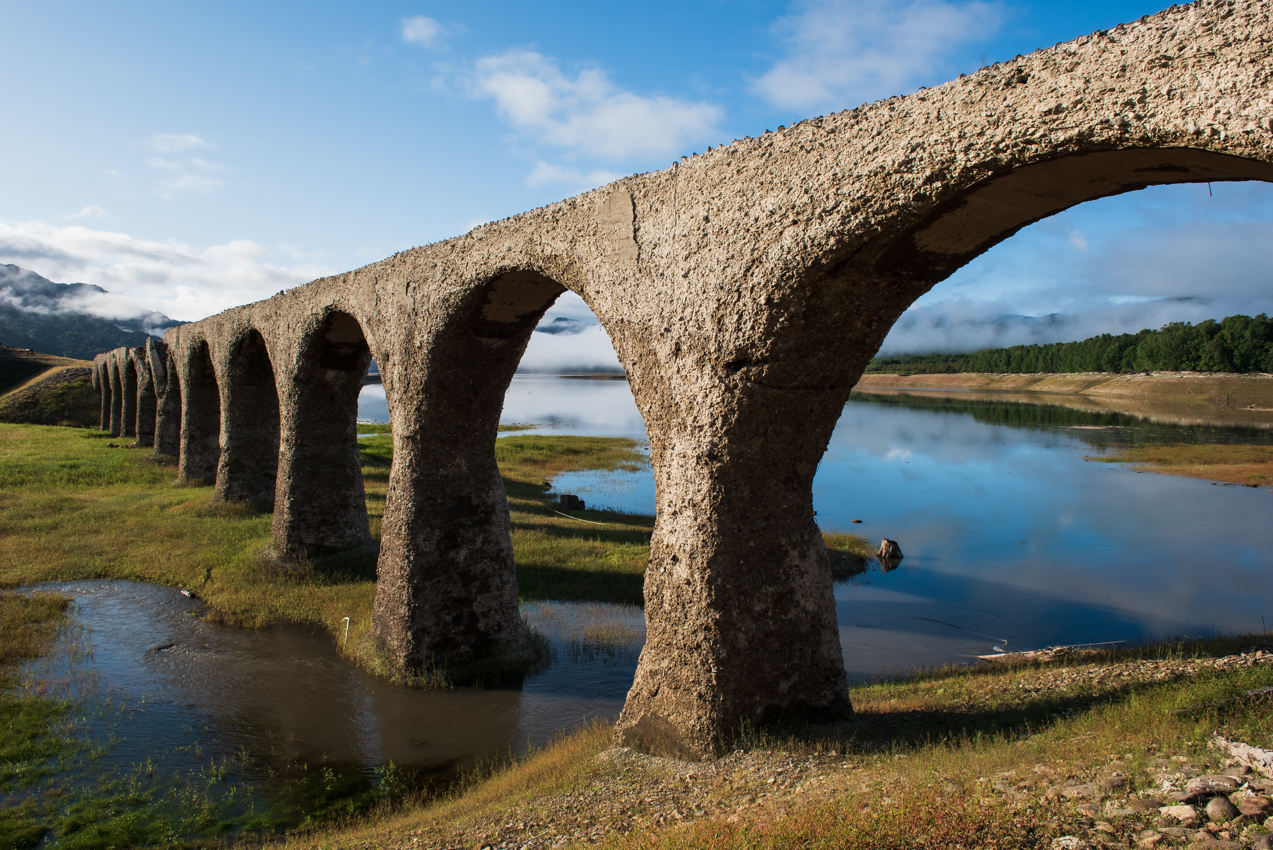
{"points": [[71, 507], [44, 389], [1088, 747]]}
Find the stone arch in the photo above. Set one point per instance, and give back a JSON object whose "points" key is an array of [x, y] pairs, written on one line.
{"points": [[320, 504], [248, 464], [446, 592], [200, 417], [989, 211]]}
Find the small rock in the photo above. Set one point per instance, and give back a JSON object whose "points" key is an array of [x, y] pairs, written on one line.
{"points": [[1085, 791], [1149, 838], [1213, 784], [1068, 842], [1217, 844], [1256, 806], [1114, 781], [1263, 842], [1220, 810], [1184, 814], [1145, 805]]}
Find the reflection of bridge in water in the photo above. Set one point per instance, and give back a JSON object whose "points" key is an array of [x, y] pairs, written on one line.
{"points": [[744, 290]]}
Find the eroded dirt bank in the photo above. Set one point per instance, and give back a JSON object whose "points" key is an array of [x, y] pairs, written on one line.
{"points": [[1185, 398]]}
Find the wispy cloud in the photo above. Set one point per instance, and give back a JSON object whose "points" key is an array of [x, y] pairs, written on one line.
{"points": [[587, 114], [187, 172], [840, 54], [180, 280], [423, 32], [90, 211], [544, 173], [175, 142]]}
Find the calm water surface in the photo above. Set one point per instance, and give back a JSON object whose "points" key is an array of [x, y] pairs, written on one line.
{"points": [[1011, 539]]}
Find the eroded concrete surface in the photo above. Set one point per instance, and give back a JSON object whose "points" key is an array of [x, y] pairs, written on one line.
{"points": [[744, 289]]}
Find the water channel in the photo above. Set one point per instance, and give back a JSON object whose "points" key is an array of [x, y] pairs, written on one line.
{"points": [[1011, 539]]}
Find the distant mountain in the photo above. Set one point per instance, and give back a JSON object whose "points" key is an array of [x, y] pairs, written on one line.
{"points": [[65, 318]]}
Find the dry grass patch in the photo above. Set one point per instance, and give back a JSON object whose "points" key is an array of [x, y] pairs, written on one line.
{"points": [[1250, 465]]}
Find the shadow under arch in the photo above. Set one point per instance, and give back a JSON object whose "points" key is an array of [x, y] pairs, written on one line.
{"points": [[319, 503], [168, 417], [446, 591], [248, 466], [200, 417]]}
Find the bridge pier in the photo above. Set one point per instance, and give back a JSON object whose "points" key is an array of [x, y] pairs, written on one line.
{"points": [[102, 382], [128, 410], [247, 468], [320, 506], [147, 400], [446, 589], [116, 395]]}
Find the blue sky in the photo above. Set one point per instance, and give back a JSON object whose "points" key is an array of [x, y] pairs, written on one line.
{"points": [[190, 157]]}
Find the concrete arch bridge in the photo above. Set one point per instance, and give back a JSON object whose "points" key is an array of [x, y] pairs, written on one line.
{"points": [[744, 290]]}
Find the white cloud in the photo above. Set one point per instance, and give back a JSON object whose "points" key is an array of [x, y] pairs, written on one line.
{"points": [[544, 173], [587, 114], [90, 211], [842, 53], [179, 280], [175, 142], [426, 32]]}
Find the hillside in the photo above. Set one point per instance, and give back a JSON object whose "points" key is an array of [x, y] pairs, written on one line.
{"points": [[62, 318], [44, 389]]}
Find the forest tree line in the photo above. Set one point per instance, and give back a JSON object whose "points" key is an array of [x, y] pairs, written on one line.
{"points": [[1236, 344]]}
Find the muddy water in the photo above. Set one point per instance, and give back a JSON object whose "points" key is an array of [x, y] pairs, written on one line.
{"points": [[281, 699]]}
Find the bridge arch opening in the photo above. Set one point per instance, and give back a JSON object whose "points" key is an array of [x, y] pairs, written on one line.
{"points": [[320, 500], [201, 417], [248, 465]]}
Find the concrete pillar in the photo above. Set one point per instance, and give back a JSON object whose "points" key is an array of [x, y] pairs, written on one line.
{"points": [[146, 400], [168, 406], [201, 418], [128, 411], [116, 395], [320, 506], [446, 589], [248, 465]]}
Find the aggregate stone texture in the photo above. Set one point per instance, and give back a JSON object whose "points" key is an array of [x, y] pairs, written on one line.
{"points": [[744, 290]]}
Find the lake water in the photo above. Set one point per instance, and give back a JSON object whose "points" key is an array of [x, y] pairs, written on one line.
{"points": [[1011, 539]]}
